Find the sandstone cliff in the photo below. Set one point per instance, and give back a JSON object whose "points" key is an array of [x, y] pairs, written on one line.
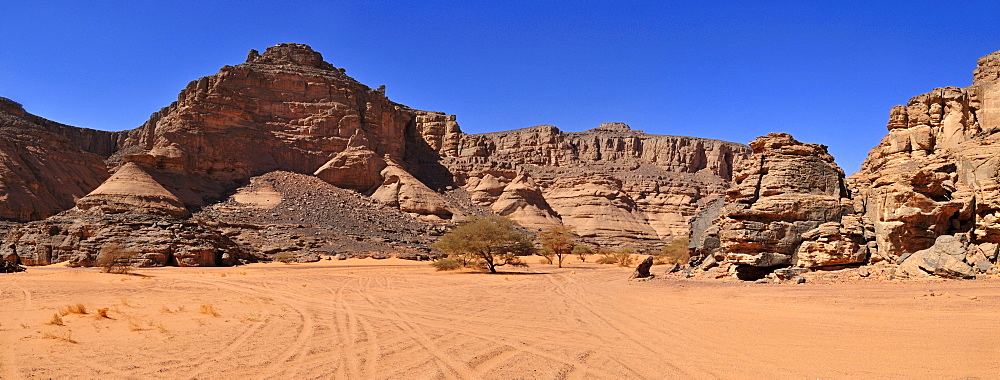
{"points": [[46, 166], [788, 206], [289, 111], [927, 198], [610, 184], [935, 176], [936, 172]]}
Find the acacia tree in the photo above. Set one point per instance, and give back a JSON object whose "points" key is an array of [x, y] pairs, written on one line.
{"points": [[560, 240], [490, 242], [582, 251]]}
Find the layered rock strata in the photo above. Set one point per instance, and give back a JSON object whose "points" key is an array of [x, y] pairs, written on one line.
{"points": [[788, 206], [936, 172], [46, 166], [287, 110], [610, 184]]}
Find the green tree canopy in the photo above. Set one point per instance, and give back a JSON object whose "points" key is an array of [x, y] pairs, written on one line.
{"points": [[491, 242]]}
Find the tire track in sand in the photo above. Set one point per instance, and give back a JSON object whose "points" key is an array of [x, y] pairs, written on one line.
{"points": [[10, 367], [448, 366], [230, 348]]}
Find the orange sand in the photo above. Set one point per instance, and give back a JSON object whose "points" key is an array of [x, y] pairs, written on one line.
{"points": [[401, 319]]}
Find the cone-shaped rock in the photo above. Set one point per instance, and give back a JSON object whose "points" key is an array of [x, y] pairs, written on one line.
{"points": [[132, 189]]}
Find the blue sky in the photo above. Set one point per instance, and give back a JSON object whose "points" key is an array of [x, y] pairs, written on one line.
{"points": [[826, 72]]}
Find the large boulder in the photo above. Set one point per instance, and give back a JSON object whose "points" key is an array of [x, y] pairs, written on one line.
{"points": [[946, 258], [780, 196]]}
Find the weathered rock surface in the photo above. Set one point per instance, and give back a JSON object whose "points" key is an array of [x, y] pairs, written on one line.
{"points": [[287, 110], [46, 166], [936, 172], [78, 238], [786, 207], [131, 188], [610, 184], [946, 258]]}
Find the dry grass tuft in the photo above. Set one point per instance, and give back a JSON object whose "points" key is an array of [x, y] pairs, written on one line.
{"points": [[77, 309], [208, 309], [134, 325], [56, 320], [68, 338], [103, 313]]}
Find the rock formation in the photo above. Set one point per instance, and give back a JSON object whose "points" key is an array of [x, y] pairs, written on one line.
{"points": [[927, 197], [46, 166], [610, 184], [788, 206], [289, 111], [936, 174]]}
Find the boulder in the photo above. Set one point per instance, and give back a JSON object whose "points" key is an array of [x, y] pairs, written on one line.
{"points": [[946, 258], [784, 193], [642, 270]]}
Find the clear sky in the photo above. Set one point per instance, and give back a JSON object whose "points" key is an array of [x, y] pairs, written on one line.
{"points": [[826, 72]]}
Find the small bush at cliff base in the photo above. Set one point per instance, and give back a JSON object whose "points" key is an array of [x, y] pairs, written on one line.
{"points": [[447, 264], [115, 259], [621, 257], [674, 253]]}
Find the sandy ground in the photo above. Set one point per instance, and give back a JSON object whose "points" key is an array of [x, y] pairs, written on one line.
{"points": [[364, 318]]}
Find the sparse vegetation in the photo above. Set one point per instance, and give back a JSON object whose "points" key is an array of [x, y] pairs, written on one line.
{"points": [[559, 240], [621, 257], [74, 309], [56, 320], [548, 257], [286, 257], [487, 243], [103, 313], [68, 338], [676, 252], [208, 309], [447, 263], [114, 258], [582, 251]]}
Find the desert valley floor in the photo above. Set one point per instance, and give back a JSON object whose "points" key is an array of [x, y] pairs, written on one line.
{"points": [[366, 318]]}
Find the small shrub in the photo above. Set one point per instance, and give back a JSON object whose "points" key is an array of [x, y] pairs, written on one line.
{"points": [[286, 257], [56, 320], [115, 259], [547, 254], [102, 313], [134, 325], [674, 253], [621, 257], [76, 309], [208, 309], [447, 264]]}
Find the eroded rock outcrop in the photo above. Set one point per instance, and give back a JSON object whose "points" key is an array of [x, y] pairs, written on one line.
{"points": [[610, 184], [78, 238], [46, 166], [936, 172], [787, 207]]}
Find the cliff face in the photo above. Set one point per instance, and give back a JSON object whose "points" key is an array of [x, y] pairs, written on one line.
{"points": [[609, 184], [936, 172], [785, 193], [46, 166], [289, 110]]}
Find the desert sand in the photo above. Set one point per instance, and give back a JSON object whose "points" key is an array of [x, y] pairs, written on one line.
{"points": [[366, 318]]}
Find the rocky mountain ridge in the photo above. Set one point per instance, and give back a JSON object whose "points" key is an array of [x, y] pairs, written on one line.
{"points": [[288, 111]]}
